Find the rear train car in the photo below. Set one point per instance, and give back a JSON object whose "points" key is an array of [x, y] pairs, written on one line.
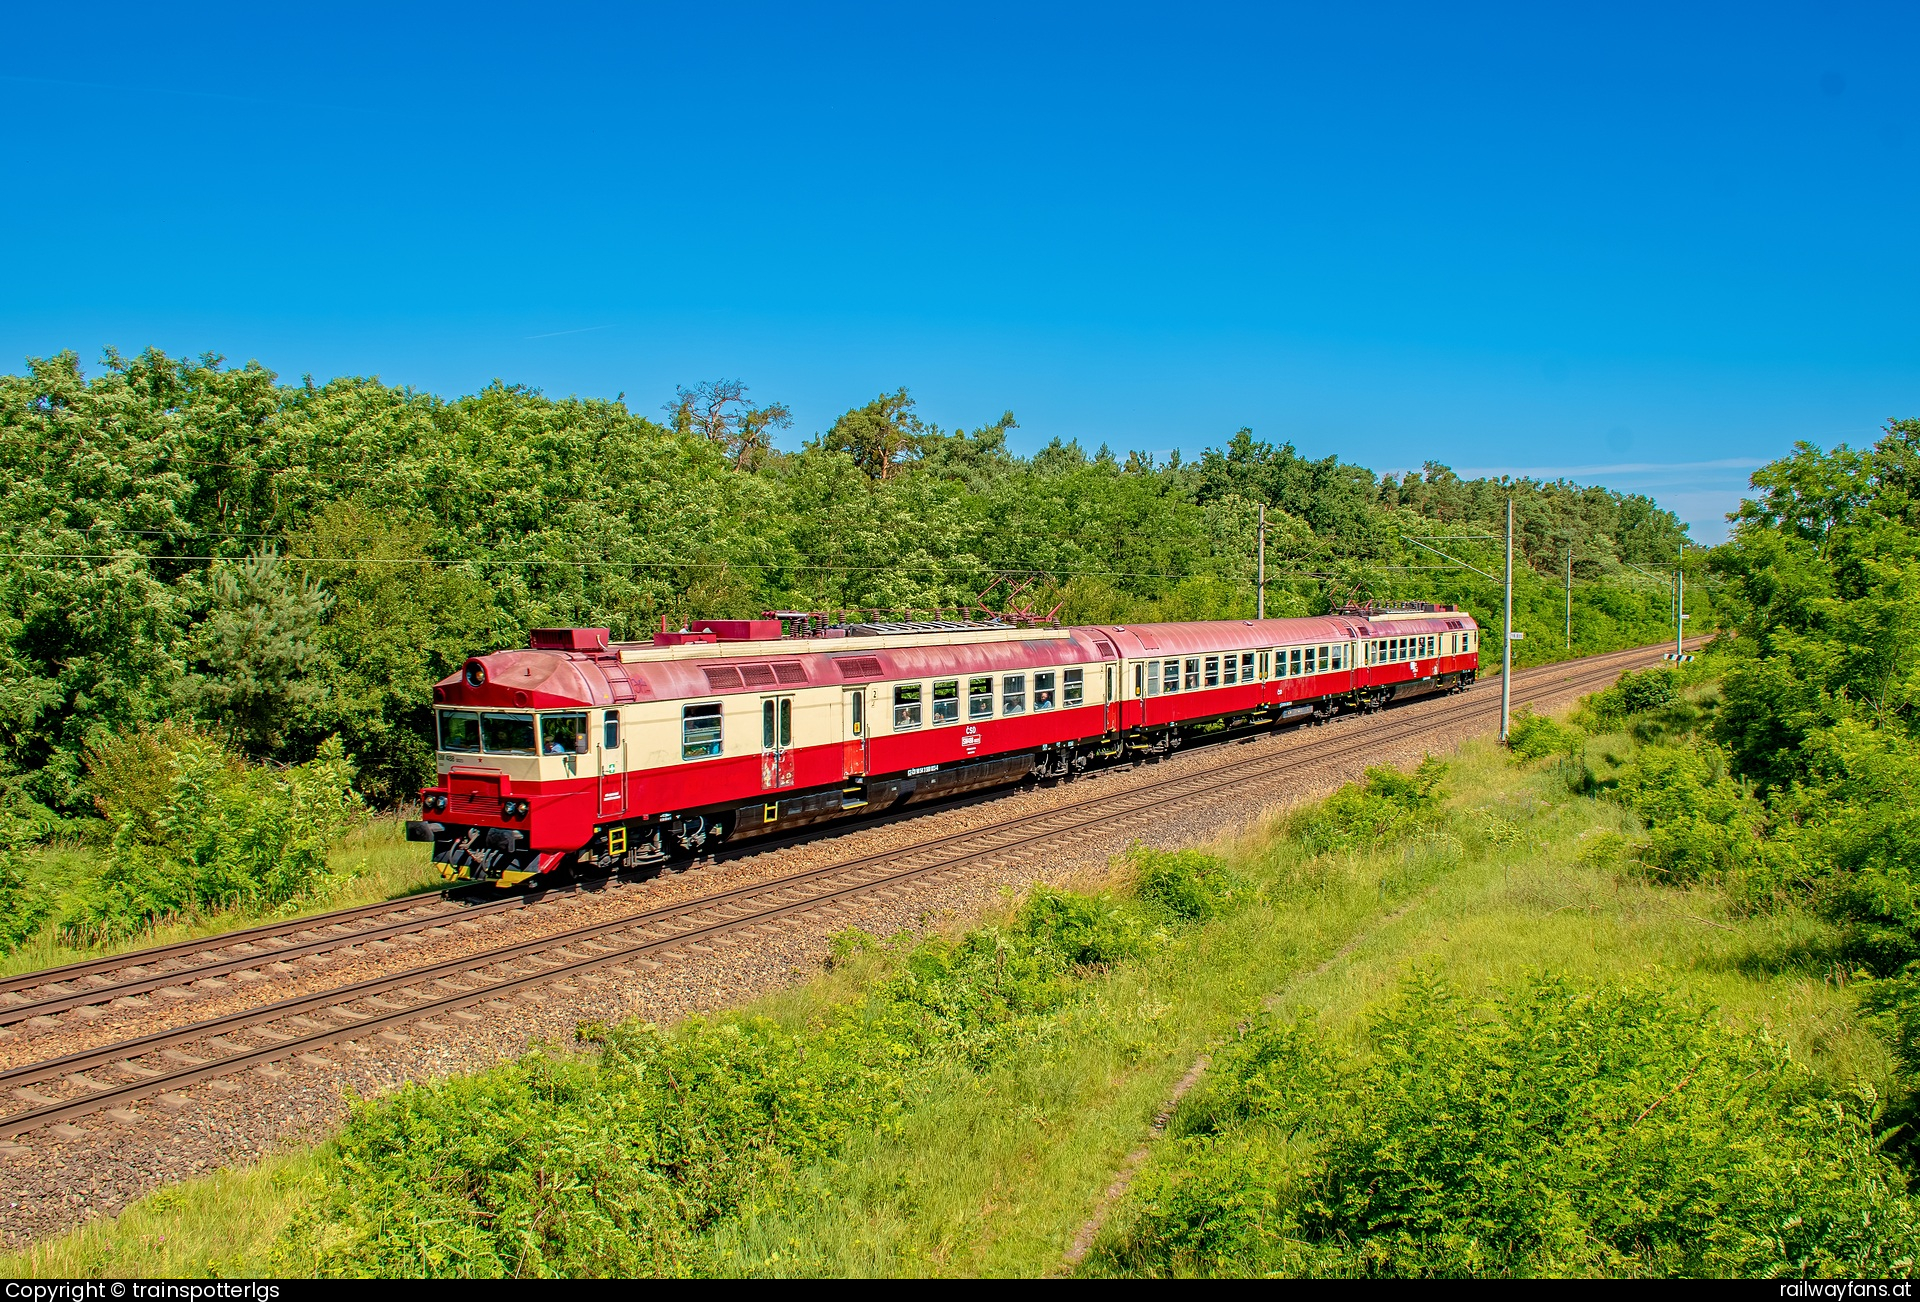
{"points": [[577, 755]]}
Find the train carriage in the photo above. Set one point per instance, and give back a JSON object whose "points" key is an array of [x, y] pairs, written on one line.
{"points": [[576, 754]]}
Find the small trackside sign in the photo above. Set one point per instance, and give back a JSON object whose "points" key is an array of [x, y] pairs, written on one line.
{"points": [[1516, 637]]}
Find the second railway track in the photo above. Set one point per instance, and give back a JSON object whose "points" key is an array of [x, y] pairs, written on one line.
{"points": [[158, 1063]]}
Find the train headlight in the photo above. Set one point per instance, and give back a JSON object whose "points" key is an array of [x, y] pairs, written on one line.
{"points": [[476, 674]]}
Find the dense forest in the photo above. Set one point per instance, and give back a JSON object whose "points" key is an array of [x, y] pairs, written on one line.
{"points": [[199, 544]]}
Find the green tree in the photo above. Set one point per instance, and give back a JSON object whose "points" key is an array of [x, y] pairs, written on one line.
{"points": [[258, 658]]}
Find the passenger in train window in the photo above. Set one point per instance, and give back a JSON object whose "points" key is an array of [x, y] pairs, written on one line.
{"points": [[1043, 690], [1170, 677], [906, 706], [946, 701], [1013, 694], [1294, 661], [1073, 687], [980, 698], [1213, 671], [1230, 672], [1192, 680]]}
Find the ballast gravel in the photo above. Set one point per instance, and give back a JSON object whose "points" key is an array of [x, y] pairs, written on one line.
{"points": [[66, 1175]]}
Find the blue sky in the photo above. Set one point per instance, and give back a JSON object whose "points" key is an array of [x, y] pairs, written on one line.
{"points": [[1649, 246]]}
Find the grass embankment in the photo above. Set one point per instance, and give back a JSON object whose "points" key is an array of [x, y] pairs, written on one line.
{"points": [[373, 860], [960, 1106]]}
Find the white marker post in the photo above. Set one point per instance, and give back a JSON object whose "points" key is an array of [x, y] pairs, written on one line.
{"points": [[1507, 637], [1679, 600]]}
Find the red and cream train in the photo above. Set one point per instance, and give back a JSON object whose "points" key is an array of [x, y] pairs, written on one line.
{"points": [[581, 755]]}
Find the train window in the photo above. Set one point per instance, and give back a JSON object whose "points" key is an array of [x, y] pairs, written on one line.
{"points": [[1013, 694], [906, 706], [1170, 676], [563, 734], [1043, 690], [766, 724], [946, 701], [1230, 671], [1246, 667], [1073, 688], [1336, 655], [1324, 651], [700, 731], [1191, 682], [1266, 667], [507, 734], [979, 698], [1293, 666], [786, 722], [459, 730], [1213, 671], [610, 730], [1153, 678]]}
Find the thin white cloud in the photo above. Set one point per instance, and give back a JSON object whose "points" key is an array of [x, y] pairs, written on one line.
{"points": [[1622, 468], [555, 334]]}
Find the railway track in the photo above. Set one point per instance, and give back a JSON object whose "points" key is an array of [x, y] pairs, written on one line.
{"points": [[159, 1063]]}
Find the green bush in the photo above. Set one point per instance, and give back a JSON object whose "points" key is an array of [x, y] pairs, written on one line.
{"points": [[1535, 736], [1704, 824], [1082, 930], [195, 828], [625, 1162], [22, 909], [1367, 813], [1187, 884], [1564, 1130]]}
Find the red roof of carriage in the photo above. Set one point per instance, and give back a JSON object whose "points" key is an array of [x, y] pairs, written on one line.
{"points": [[556, 679]]}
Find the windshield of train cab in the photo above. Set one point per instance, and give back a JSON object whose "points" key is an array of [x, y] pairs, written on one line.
{"points": [[493, 732]]}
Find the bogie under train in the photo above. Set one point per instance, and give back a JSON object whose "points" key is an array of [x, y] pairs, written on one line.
{"points": [[578, 755]]}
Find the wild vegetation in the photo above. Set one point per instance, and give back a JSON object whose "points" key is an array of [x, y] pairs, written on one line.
{"points": [[1457, 1026]]}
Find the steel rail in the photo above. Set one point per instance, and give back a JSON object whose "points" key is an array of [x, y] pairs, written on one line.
{"points": [[223, 940], [1212, 782]]}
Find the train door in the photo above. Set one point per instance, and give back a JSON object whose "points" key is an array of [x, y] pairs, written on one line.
{"points": [[613, 767], [853, 732], [776, 742], [1112, 707]]}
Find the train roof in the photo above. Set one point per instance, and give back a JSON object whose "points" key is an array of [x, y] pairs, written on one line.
{"points": [[576, 668]]}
